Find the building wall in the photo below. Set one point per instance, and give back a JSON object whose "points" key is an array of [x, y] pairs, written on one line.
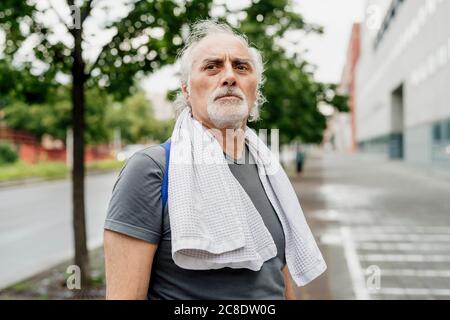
{"points": [[411, 55], [347, 85], [31, 150]]}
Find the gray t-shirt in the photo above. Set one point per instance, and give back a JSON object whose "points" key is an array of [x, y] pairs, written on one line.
{"points": [[135, 209]]}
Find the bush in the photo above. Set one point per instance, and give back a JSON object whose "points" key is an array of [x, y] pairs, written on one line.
{"points": [[8, 153]]}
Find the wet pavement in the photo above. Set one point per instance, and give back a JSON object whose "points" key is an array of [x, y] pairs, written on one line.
{"points": [[383, 227], [36, 224]]}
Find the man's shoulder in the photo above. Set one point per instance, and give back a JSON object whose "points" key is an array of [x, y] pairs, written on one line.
{"points": [[152, 158], [155, 152]]}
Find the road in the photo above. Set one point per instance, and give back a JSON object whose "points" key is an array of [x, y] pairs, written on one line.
{"points": [[36, 224], [383, 226]]}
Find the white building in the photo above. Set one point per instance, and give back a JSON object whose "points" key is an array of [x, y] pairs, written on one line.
{"points": [[339, 132], [403, 81]]}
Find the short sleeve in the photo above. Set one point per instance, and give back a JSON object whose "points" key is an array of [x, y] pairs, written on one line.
{"points": [[135, 208]]}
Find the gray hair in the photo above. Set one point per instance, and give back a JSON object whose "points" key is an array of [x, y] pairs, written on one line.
{"points": [[201, 29]]}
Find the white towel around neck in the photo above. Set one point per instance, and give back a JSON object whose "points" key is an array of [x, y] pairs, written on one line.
{"points": [[213, 221]]}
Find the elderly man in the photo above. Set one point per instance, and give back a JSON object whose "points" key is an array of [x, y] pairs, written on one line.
{"points": [[232, 227]]}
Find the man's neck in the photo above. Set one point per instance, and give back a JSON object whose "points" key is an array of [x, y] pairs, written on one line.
{"points": [[232, 141]]}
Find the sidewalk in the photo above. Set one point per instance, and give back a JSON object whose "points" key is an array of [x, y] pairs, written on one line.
{"points": [[368, 215], [382, 223]]}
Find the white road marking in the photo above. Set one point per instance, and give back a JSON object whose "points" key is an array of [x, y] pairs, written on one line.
{"points": [[367, 237], [430, 273], [420, 243], [403, 246], [330, 239], [354, 266], [336, 216], [405, 257], [414, 292], [402, 229]]}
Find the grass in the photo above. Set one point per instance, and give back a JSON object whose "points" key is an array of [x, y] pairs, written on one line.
{"points": [[108, 164], [51, 169], [21, 286], [21, 170]]}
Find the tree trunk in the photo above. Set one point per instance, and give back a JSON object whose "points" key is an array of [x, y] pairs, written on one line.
{"points": [[78, 106]]}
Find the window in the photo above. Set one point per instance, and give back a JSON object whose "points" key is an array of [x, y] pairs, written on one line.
{"points": [[448, 130], [437, 135]]}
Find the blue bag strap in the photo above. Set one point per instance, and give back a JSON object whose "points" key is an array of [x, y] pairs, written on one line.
{"points": [[165, 182]]}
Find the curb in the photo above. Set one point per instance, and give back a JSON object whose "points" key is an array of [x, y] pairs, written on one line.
{"points": [[36, 180]]}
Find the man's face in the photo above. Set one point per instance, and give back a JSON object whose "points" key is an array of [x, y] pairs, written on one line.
{"points": [[222, 82]]}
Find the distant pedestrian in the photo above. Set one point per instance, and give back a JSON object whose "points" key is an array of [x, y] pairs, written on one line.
{"points": [[210, 214], [300, 158]]}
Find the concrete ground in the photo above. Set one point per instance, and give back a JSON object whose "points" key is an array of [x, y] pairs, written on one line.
{"points": [[383, 227], [36, 224]]}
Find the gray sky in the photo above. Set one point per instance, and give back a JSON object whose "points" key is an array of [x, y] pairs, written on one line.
{"points": [[326, 51]]}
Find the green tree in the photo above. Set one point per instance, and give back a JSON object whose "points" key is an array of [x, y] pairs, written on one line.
{"points": [[20, 84], [291, 91], [53, 115], [134, 117], [146, 38]]}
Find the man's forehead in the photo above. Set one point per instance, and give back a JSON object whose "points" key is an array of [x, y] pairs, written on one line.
{"points": [[219, 46]]}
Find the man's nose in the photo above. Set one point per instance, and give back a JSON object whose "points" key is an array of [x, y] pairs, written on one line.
{"points": [[229, 78]]}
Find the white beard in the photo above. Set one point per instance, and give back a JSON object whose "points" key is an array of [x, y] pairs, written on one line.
{"points": [[227, 113]]}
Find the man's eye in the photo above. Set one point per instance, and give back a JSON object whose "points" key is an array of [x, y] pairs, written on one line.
{"points": [[242, 67], [210, 67]]}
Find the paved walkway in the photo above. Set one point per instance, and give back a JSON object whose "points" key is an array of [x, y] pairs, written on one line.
{"points": [[383, 227]]}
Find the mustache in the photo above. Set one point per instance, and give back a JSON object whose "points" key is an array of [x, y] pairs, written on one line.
{"points": [[228, 92]]}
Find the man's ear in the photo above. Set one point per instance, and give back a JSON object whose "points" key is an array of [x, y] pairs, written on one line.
{"points": [[185, 91]]}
